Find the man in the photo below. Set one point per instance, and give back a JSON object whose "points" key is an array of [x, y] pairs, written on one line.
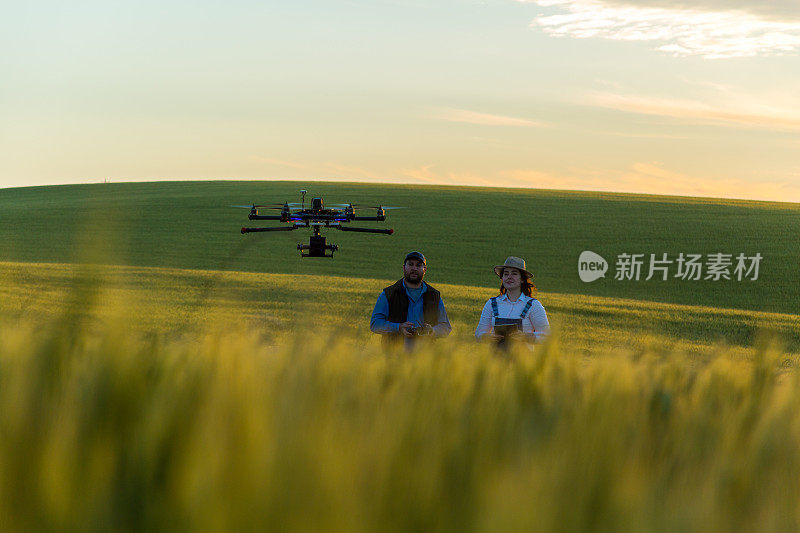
{"points": [[410, 308]]}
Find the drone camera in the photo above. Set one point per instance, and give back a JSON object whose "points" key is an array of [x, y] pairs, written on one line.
{"points": [[317, 247]]}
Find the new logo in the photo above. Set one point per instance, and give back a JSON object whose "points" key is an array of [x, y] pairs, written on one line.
{"points": [[591, 266]]}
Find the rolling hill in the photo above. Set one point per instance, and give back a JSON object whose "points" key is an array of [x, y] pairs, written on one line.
{"points": [[463, 231]]}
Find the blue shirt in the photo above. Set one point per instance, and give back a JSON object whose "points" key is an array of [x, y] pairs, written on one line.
{"points": [[379, 323]]}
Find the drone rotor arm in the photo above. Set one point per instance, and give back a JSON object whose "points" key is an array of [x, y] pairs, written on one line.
{"points": [[259, 230], [366, 230], [252, 216]]}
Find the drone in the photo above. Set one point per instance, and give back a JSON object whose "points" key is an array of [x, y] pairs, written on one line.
{"points": [[316, 216]]}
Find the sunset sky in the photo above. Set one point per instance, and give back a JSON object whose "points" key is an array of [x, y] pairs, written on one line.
{"points": [[696, 98]]}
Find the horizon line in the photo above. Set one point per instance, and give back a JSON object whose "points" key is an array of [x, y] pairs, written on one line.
{"points": [[428, 184]]}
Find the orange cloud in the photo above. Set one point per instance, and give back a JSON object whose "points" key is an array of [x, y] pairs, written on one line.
{"points": [[654, 179], [640, 178], [483, 119], [279, 162], [777, 113]]}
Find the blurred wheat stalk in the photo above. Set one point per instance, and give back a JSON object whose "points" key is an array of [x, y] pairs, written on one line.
{"points": [[101, 428]]}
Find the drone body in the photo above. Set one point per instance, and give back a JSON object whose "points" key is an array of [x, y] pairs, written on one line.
{"points": [[316, 217]]}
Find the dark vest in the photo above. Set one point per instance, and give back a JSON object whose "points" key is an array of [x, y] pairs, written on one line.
{"points": [[398, 304]]}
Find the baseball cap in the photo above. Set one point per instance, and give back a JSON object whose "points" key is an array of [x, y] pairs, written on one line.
{"points": [[414, 255]]}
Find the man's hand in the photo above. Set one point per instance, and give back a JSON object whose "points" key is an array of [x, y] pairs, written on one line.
{"points": [[404, 329]]}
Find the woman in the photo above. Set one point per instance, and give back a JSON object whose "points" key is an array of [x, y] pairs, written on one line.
{"points": [[515, 308]]}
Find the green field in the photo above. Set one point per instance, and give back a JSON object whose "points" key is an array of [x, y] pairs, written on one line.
{"points": [[167, 301], [159, 370], [190, 228], [463, 231]]}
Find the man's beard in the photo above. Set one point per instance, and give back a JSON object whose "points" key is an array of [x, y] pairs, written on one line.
{"points": [[416, 279]]}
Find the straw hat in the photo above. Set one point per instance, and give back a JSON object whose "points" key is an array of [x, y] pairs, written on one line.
{"points": [[514, 262]]}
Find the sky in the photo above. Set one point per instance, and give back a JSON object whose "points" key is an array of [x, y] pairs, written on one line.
{"points": [[696, 98]]}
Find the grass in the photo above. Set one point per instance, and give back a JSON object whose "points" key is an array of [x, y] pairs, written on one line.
{"points": [[463, 231], [176, 301], [107, 429]]}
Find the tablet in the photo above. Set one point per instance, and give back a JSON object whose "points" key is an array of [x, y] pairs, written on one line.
{"points": [[506, 326]]}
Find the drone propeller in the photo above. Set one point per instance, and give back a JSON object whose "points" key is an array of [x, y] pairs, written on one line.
{"points": [[279, 205], [360, 206], [383, 207], [269, 206]]}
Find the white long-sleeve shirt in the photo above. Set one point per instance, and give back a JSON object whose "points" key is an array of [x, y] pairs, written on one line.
{"points": [[534, 325]]}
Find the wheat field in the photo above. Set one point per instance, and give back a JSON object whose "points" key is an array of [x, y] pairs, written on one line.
{"points": [[119, 411], [106, 429]]}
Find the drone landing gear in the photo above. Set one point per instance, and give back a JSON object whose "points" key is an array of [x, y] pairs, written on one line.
{"points": [[317, 247]]}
